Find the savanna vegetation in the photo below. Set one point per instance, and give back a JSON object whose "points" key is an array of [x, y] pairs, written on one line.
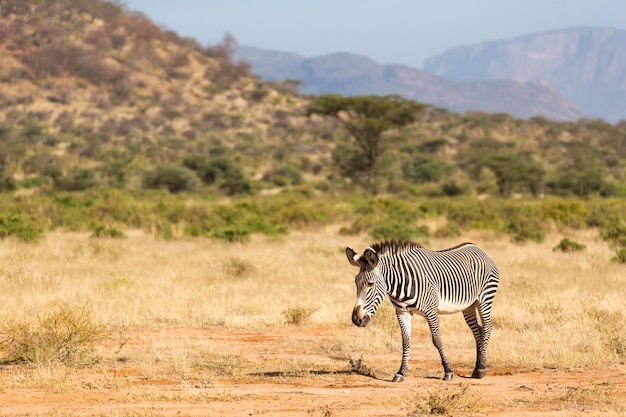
{"points": [[149, 182], [103, 317]]}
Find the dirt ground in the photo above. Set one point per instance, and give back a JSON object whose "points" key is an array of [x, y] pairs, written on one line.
{"points": [[294, 371]]}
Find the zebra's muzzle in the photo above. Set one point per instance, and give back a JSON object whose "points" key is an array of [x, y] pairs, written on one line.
{"points": [[358, 318]]}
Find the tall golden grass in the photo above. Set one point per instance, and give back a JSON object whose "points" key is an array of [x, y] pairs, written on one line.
{"points": [[553, 309]]}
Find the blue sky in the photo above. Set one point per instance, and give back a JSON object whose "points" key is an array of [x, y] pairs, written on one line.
{"points": [[388, 31]]}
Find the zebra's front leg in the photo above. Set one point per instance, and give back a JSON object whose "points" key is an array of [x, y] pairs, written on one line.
{"points": [[404, 319], [433, 323]]}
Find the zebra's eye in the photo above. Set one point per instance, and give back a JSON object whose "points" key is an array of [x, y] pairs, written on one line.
{"points": [[370, 284]]}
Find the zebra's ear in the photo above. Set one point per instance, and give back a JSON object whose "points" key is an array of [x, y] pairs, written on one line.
{"points": [[352, 256], [371, 257]]}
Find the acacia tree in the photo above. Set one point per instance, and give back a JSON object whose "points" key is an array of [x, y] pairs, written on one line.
{"points": [[366, 118]]}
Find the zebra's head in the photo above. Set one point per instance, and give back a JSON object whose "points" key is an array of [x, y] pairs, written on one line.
{"points": [[370, 285]]}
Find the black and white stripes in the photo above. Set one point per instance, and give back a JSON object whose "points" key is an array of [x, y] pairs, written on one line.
{"points": [[418, 280]]}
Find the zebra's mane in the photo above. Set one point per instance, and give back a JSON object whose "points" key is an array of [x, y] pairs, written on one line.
{"points": [[391, 247]]}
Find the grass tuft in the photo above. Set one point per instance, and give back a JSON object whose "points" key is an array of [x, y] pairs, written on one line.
{"points": [[357, 366], [237, 267], [62, 333], [446, 402], [297, 315]]}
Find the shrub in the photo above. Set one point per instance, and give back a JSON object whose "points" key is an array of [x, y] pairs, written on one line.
{"points": [[172, 177], [447, 401], [297, 315], [102, 230], [422, 169], [18, 225], [235, 233], [472, 215], [566, 213], [283, 176], [524, 223], [452, 189], [615, 233], [357, 366], [238, 268], [78, 179], [220, 170], [236, 183], [567, 245], [620, 256], [63, 333]]}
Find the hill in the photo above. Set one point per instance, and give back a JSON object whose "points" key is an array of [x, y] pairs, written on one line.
{"points": [[350, 74], [93, 96], [586, 65], [87, 84]]}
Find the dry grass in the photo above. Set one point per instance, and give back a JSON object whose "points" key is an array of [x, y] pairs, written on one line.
{"points": [[553, 310]]}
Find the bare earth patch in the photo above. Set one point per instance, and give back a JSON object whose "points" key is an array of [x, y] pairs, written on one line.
{"points": [[296, 371]]}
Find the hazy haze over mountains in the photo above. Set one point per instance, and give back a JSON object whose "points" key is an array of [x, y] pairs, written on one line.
{"points": [[562, 75], [350, 74], [586, 65], [405, 32]]}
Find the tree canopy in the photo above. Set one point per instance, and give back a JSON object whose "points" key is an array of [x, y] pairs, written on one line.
{"points": [[367, 118]]}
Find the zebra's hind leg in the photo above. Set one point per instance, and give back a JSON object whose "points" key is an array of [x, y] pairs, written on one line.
{"points": [[469, 315], [484, 309], [404, 319], [433, 323]]}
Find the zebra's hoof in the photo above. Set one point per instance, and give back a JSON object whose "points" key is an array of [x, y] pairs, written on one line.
{"points": [[479, 373], [448, 376], [398, 378]]}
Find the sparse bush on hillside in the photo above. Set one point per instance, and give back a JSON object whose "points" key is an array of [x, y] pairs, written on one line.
{"points": [[78, 179], [173, 178], [222, 171], [284, 176], [582, 178]]}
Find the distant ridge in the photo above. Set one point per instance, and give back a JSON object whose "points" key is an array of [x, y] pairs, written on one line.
{"points": [[587, 65], [350, 74]]}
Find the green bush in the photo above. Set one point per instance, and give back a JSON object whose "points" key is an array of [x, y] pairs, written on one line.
{"points": [[102, 230], [567, 245], [615, 233], [566, 213], [468, 214], [422, 169], [19, 226], [284, 176], [604, 213], [620, 256], [174, 178], [524, 223], [220, 170], [236, 233], [78, 179]]}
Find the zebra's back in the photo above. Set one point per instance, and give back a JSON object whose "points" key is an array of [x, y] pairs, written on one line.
{"points": [[449, 280]]}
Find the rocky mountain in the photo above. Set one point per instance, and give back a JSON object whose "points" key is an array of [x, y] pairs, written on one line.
{"points": [[586, 65], [351, 74]]}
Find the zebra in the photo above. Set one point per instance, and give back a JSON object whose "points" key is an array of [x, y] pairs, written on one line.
{"points": [[418, 280]]}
